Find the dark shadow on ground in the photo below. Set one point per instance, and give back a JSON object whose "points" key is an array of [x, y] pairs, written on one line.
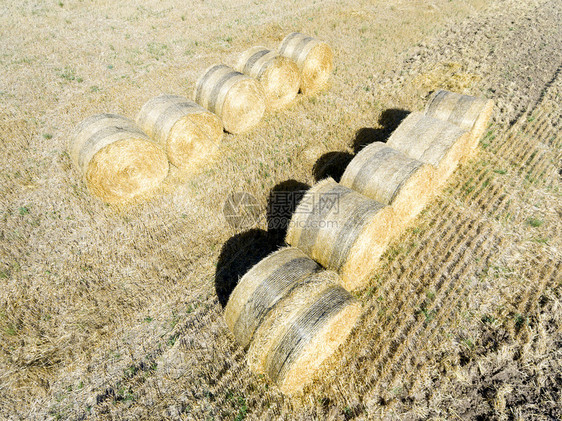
{"points": [[237, 256], [389, 120], [244, 250], [281, 204], [331, 164]]}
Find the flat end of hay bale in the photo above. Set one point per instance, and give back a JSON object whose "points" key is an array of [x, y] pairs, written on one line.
{"points": [[117, 160], [188, 132], [281, 81], [470, 113], [392, 178], [237, 99], [283, 316], [194, 140], [317, 69], [326, 342], [479, 128], [279, 76], [368, 247], [126, 169], [433, 141], [302, 332], [313, 57], [244, 106]]}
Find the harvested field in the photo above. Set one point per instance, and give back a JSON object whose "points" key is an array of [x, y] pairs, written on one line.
{"points": [[112, 312]]}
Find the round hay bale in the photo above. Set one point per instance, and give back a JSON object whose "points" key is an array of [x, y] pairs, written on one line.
{"points": [[279, 76], [237, 99], [262, 287], [313, 57], [342, 230], [117, 160], [392, 178], [432, 141], [302, 331], [470, 113], [188, 132]]}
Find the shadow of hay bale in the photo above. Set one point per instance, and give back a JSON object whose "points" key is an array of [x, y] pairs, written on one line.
{"points": [[390, 119], [238, 255], [281, 204], [244, 250], [331, 164]]}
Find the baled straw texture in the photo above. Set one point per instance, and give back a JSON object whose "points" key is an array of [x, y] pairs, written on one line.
{"points": [[392, 178], [262, 287], [302, 331], [279, 76], [188, 132], [313, 57], [470, 113], [432, 141], [117, 160], [342, 230], [237, 99]]}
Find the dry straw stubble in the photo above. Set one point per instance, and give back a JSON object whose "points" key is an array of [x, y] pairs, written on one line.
{"points": [[392, 178], [342, 230], [116, 158], [433, 141], [302, 331], [279, 76], [313, 57], [262, 287], [237, 99], [189, 133], [470, 113]]}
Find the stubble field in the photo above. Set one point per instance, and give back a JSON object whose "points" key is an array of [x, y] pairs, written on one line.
{"points": [[116, 313]]}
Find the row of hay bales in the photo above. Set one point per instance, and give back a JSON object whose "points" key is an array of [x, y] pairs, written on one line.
{"points": [[120, 159], [294, 308]]}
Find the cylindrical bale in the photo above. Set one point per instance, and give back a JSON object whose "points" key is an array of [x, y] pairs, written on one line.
{"points": [[188, 132], [390, 177], [470, 113], [279, 76], [342, 230], [116, 158], [302, 331], [432, 141], [313, 57], [262, 287], [237, 99]]}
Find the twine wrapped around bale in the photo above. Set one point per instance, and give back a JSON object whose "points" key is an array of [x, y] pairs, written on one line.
{"points": [[392, 178], [302, 331], [313, 57], [116, 158], [470, 113], [237, 99], [342, 230], [432, 141], [279, 76], [262, 287], [188, 132]]}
